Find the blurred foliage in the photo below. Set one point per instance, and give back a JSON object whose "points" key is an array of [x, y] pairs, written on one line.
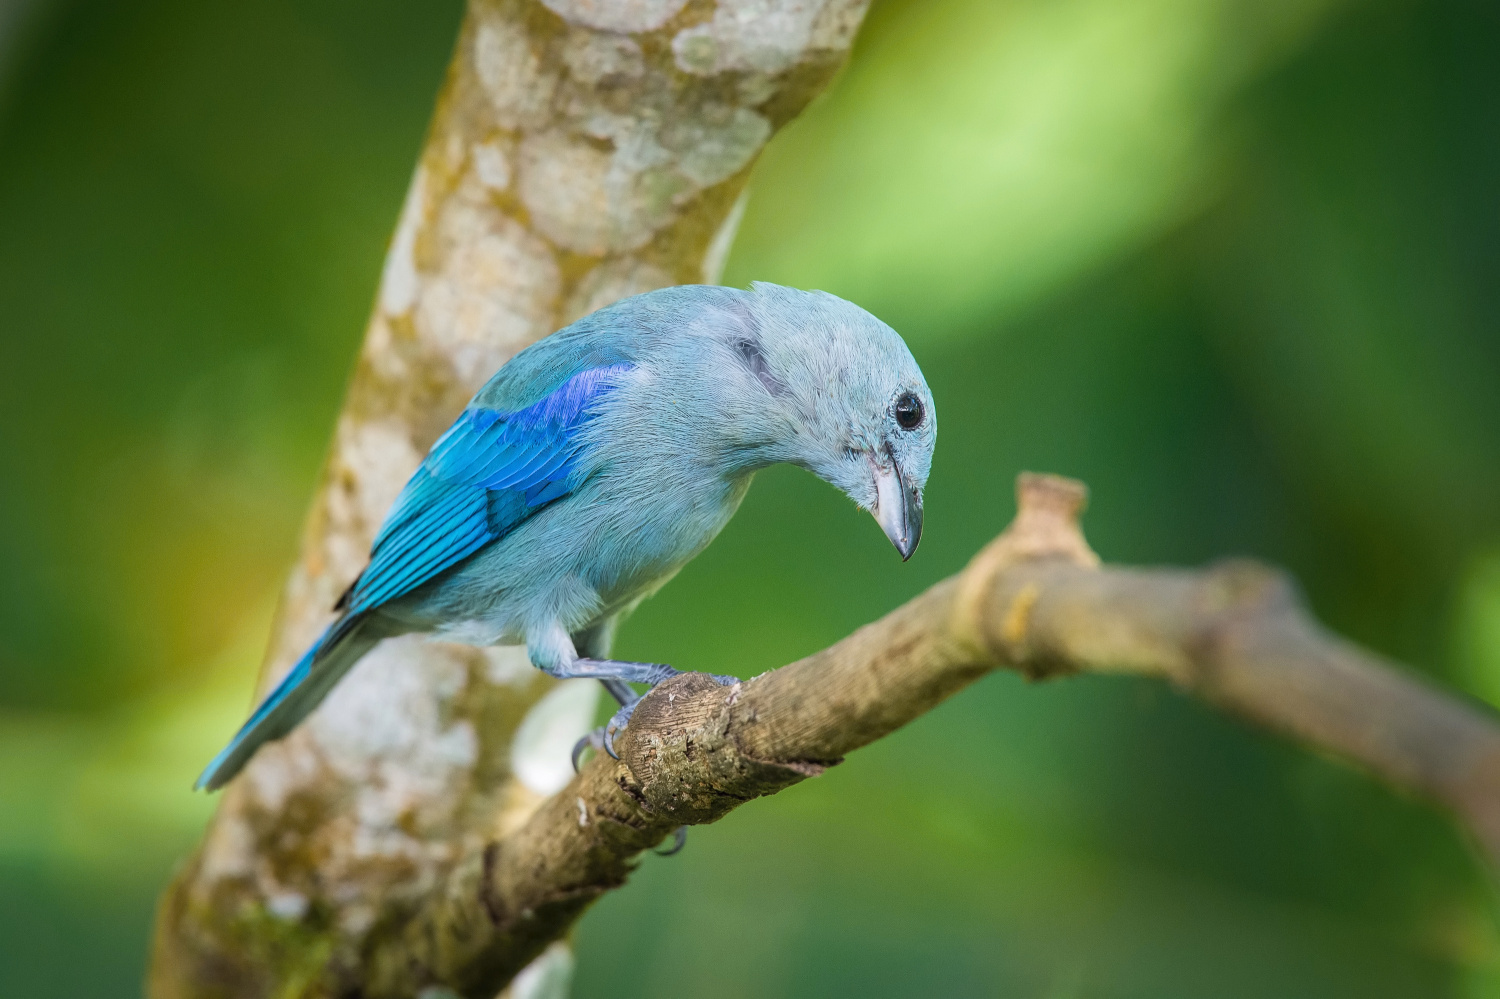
{"points": [[1233, 263]]}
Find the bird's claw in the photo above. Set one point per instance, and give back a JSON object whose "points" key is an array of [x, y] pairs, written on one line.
{"points": [[594, 740], [679, 840], [617, 725]]}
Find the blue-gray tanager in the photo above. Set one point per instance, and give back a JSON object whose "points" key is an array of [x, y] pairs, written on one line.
{"points": [[602, 458]]}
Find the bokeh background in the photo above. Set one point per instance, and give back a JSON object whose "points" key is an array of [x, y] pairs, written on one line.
{"points": [[1236, 263]]}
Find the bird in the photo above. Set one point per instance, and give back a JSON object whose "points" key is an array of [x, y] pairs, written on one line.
{"points": [[601, 459]]}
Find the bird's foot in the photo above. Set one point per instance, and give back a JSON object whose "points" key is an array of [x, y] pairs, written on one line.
{"points": [[604, 738], [616, 725], [594, 740], [621, 718], [679, 840], [610, 673]]}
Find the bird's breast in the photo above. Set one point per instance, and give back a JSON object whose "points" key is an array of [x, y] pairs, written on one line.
{"points": [[655, 530]]}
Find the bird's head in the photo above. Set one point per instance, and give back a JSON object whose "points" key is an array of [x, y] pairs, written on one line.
{"points": [[839, 394]]}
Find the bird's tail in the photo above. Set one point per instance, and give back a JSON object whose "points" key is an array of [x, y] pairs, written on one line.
{"points": [[294, 698]]}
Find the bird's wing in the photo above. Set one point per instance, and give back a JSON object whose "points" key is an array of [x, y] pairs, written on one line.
{"points": [[486, 475]]}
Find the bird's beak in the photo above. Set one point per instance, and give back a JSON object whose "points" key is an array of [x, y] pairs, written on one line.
{"points": [[898, 507]]}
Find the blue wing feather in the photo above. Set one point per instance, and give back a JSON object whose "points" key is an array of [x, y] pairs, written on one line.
{"points": [[482, 478]]}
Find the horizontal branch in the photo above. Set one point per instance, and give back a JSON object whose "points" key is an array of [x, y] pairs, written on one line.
{"points": [[1035, 600]]}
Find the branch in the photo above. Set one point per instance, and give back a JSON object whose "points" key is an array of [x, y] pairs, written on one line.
{"points": [[1035, 600]]}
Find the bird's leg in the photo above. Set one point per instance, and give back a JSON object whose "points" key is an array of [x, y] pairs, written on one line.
{"points": [[616, 676], [648, 673], [615, 669]]}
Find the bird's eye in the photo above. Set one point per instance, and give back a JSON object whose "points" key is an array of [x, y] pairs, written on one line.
{"points": [[908, 410]]}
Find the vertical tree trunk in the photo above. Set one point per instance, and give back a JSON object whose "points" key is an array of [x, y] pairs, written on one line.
{"points": [[581, 151]]}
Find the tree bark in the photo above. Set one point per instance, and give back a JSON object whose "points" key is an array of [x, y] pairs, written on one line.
{"points": [[581, 151]]}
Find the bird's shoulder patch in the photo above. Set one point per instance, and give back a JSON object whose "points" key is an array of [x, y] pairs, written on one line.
{"points": [[753, 357]]}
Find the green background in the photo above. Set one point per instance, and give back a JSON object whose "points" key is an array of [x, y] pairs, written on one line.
{"points": [[1236, 263]]}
